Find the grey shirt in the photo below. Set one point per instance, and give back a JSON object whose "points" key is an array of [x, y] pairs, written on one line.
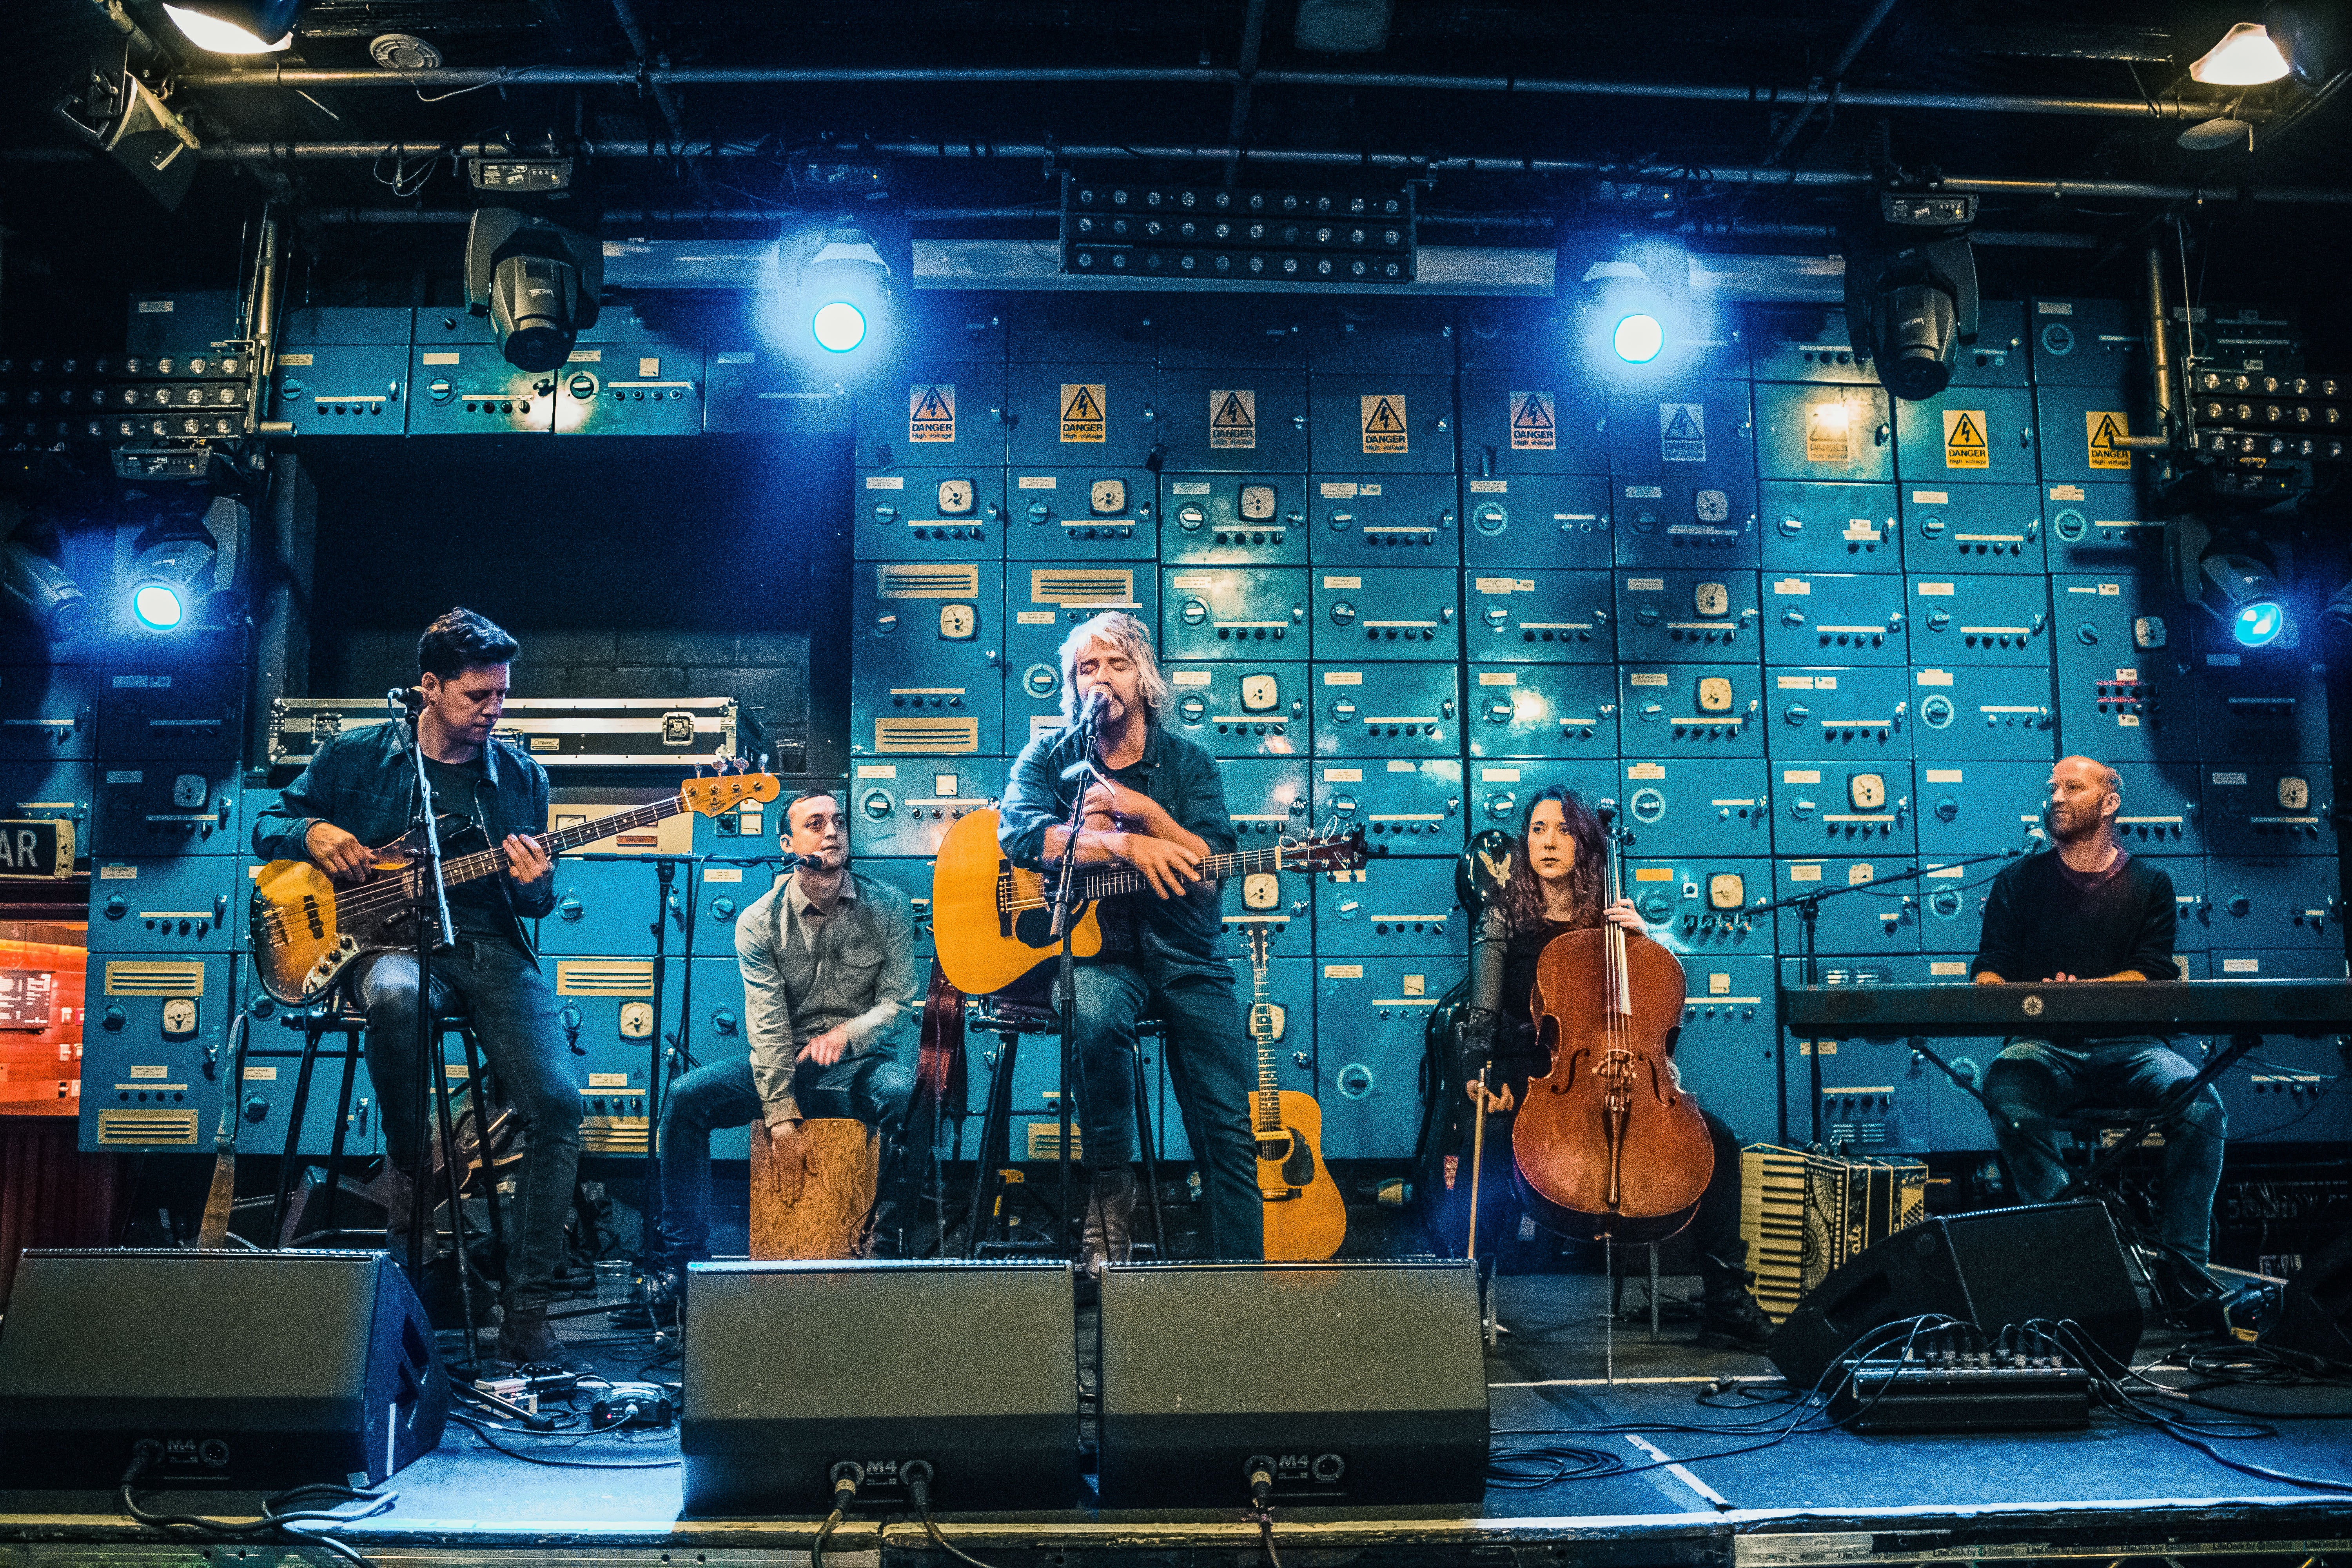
{"points": [[804, 973]]}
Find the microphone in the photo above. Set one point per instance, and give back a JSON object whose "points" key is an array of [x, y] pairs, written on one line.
{"points": [[409, 697], [1090, 712]]}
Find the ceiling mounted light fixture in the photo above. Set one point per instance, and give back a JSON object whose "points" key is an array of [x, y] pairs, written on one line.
{"points": [[2247, 56], [235, 26]]}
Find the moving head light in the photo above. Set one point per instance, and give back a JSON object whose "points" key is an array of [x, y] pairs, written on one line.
{"points": [[536, 280], [1911, 292]]}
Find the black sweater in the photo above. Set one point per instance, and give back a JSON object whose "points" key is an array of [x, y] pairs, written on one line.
{"points": [[2038, 923]]}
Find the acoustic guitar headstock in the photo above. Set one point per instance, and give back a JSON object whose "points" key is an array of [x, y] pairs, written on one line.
{"points": [[712, 796], [1332, 852]]}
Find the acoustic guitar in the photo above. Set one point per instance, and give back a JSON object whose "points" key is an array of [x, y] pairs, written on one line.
{"points": [[307, 929], [990, 918], [1306, 1219]]}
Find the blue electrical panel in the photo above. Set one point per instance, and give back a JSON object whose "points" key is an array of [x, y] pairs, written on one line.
{"points": [[273, 1070], [2102, 528], [1543, 711], [925, 514], [1829, 528], [1230, 612], [1536, 615], [2193, 933], [608, 905], [48, 711], [1044, 604], [1694, 805], [1238, 420], [1683, 614], [2270, 808], [344, 371], [1711, 709], [1996, 713], [1257, 518], [2162, 813], [2094, 344], [1806, 342], [2273, 707], [1387, 710], [1268, 799], [2276, 902], [187, 807], [905, 805], [1728, 1055], [170, 712], [912, 877], [1071, 413], [1375, 422], [1406, 804], [1498, 792], [1075, 513], [2126, 671], [1966, 435], [1832, 434], [760, 391], [1242, 707], [2285, 1096], [1951, 901], [1385, 520], [1999, 356], [1704, 908], [1539, 521], [726, 894], [1391, 612], [183, 904], [1389, 907], [152, 1048], [925, 651], [1682, 458], [1814, 617], [1870, 920], [461, 384], [627, 376], [1280, 903], [952, 418], [1370, 1013], [1815, 711], [1977, 808], [1511, 426], [1980, 620], [1854, 805], [1971, 528]]}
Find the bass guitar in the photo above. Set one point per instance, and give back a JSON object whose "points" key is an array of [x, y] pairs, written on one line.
{"points": [[307, 929], [992, 919], [1306, 1219]]}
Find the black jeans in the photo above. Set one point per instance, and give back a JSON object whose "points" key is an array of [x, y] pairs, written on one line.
{"points": [[513, 1013]]}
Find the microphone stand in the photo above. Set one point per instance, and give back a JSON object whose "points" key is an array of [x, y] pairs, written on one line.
{"points": [[429, 916], [1808, 906], [1066, 974]]}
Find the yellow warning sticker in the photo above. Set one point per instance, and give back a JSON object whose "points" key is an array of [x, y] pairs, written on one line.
{"points": [[1384, 425], [1825, 433], [1233, 419], [1964, 439], [1082, 411], [1533, 430], [2105, 431], [931, 412]]}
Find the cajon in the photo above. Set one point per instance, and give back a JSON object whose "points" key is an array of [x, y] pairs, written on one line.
{"points": [[817, 1212]]}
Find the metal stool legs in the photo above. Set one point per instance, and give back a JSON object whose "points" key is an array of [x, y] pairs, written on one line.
{"points": [[439, 1094], [478, 1091]]}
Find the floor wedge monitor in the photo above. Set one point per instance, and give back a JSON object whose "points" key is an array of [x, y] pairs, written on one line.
{"points": [[232, 1371], [1998, 1266], [1358, 1383], [793, 1369]]}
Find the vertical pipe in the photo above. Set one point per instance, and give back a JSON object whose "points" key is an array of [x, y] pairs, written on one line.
{"points": [[261, 322], [2159, 342]]}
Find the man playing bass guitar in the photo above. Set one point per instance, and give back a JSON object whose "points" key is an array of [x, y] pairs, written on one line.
{"points": [[1154, 801], [357, 792]]}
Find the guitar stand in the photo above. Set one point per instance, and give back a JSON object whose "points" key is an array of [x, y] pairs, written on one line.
{"points": [[1008, 1021]]}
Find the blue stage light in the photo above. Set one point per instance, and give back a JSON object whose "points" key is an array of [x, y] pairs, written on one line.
{"points": [[839, 326], [1638, 338], [159, 608], [2259, 624]]}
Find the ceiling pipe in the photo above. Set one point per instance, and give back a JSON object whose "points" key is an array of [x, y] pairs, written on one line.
{"points": [[292, 78], [1853, 46], [625, 13]]}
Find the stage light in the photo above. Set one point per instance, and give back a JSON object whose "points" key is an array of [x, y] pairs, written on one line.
{"points": [[843, 288], [1633, 294], [1638, 338], [536, 280], [2259, 624], [42, 592], [158, 607], [1911, 292], [2243, 593], [2246, 57], [235, 26], [168, 581]]}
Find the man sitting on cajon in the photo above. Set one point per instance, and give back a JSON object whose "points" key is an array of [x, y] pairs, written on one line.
{"points": [[828, 959]]}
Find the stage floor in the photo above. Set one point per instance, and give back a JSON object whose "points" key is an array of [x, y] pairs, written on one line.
{"points": [[1682, 1493]]}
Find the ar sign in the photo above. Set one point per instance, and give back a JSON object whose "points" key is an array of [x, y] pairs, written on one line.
{"points": [[35, 851]]}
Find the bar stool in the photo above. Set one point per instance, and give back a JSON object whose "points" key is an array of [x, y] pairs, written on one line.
{"points": [[1008, 1020]]}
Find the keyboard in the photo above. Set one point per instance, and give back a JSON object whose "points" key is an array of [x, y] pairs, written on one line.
{"points": [[2120, 1007]]}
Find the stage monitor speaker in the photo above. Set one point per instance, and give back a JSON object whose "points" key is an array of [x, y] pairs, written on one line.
{"points": [[2317, 1318], [791, 1368], [243, 1370], [1361, 1383], [1992, 1269]]}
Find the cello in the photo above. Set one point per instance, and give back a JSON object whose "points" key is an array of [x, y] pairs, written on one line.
{"points": [[1608, 1145]]}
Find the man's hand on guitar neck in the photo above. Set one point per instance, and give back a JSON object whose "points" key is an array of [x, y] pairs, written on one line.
{"points": [[527, 860]]}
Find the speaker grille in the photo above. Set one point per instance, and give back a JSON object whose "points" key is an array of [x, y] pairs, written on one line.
{"points": [[146, 1127], [941, 735]]}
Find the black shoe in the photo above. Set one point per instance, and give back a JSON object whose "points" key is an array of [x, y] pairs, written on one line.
{"points": [[527, 1339], [1730, 1319]]}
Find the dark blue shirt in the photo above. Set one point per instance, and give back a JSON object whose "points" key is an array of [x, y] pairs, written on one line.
{"points": [[361, 780], [1173, 771]]}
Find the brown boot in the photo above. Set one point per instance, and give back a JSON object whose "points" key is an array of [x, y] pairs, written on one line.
{"points": [[1110, 1235], [526, 1337]]}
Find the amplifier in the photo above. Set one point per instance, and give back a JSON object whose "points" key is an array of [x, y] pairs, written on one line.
{"points": [[1803, 1215], [1958, 1380], [558, 732]]}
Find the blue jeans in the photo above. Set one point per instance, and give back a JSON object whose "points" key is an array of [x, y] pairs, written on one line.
{"points": [[2033, 1081], [1211, 1065], [872, 1087], [513, 1013]]}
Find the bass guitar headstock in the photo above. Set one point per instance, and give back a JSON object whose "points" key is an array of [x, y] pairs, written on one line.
{"points": [[712, 796], [1332, 852]]}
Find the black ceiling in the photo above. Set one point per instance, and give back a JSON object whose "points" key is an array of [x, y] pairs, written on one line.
{"points": [[663, 141]]}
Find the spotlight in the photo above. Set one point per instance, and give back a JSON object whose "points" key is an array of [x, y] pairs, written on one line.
{"points": [[537, 281], [2246, 57], [2240, 593], [843, 288], [168, 581], [235, 26], [1911, 302], [1635, 295], [41, 590]]}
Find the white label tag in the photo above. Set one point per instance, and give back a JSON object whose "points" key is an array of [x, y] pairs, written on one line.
{"points": [[723, 874], [1343, 972], [1804, 873], [1188, 677], [1343, 677], [1497, 678]]}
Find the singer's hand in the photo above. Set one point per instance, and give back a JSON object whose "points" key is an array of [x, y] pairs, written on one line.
{"points": [[526, 861], [337, 853], [1167, 867], [1119, 802]]}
